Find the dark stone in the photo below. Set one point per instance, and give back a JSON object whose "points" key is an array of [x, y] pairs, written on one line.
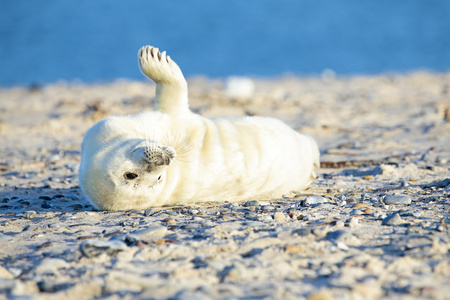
{"points": [[47, 204]]}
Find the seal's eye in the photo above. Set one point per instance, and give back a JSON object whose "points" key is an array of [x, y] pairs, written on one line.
{"points": [[130, 176], [159, 178]]}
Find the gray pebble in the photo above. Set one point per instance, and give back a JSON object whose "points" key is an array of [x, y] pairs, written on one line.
{"points": [[393, 219], [231, 205], [93, 248], [251, 216], [208, 223], [72, 197], [54, 158], [51, 287], [31, 214], [342, 246], [342, 200], [324, 272], [55, 179], [443, 183], [302, 231], [339, 235], [151, 232], [148, 212], [397, 200], [441, 228], [314, 200], [192, 226], [252, 203], [357, 212], [268, 207], [193, 211], [264, 218], [404, 184], [252, 224], [46, 204], [417, 214], [379, 215]]}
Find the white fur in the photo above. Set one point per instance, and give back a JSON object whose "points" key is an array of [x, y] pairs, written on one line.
{"points": [[221, 159]]}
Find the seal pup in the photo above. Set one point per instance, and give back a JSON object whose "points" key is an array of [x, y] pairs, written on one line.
{"points": [[173, 155]]}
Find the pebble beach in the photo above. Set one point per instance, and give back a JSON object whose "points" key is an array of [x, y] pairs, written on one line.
{"points": [[375, 224]]}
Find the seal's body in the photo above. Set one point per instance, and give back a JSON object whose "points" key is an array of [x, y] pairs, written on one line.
{"points": [[173, 155]]}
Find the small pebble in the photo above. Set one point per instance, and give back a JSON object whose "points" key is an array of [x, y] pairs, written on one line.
{"points": [[148, 212], [30, 214], [151, 232], [315, 200], [441, 228], [252, 203], [352, 222], [264, 218], [192, 226], [417, 214], [339, 235], [46, 204], [169, 220], [280, 216], [404, 184], [268, 207], [397, 200], [357, 212], [72, 197], [93, 248], [302, 231], [393, 219], [54, 158], [52, 287], [339, 224], [292, 248], [342, 246], [193, 211]]}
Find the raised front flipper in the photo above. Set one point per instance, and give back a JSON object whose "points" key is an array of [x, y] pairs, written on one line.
{"points": [[171, 87]]}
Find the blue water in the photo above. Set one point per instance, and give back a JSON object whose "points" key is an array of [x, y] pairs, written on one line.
{"points": [[97, 40]]}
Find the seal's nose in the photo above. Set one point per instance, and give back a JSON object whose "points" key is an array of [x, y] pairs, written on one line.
{"points": [[153, 154], [156, 155]]}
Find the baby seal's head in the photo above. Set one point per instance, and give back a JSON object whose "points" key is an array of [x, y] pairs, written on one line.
{"points": [[125, 176]]}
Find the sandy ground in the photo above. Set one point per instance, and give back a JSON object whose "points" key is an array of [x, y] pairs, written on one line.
{"points": [[378, 226]]}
